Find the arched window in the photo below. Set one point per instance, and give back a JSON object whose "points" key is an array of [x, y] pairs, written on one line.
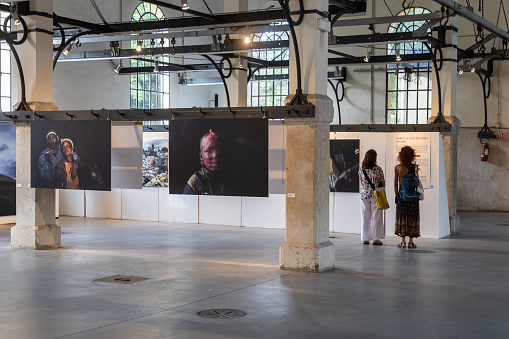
{"points": [[148, 90], [269, 86], [5, 71], [408, 85]]}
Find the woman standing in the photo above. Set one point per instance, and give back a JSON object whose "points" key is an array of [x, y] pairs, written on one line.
{"points": [[407, 212], [372, 227], [66, 172]]}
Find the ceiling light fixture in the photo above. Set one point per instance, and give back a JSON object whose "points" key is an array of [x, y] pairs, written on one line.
{"points": [[67, 49], [119, 67], [368, 54], [15, 14], [398, 55], [185, 5], [156, 66], [138, 45]]}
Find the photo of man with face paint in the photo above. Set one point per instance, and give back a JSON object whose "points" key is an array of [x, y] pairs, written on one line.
{"points": [[208, 179], [219, 157]]}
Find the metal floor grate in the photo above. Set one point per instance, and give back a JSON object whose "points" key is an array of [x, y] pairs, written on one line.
{"points": [[122, 279], [221, 313]]}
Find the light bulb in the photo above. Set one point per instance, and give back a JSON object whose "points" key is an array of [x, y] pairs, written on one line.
{"points": [[138, 46]]}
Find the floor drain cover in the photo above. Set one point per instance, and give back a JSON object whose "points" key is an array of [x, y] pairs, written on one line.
{"points": [[122, 279], [421, 251], [222, 313]]}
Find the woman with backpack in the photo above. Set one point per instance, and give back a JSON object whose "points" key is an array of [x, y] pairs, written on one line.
{"points": [[406, 180], [372, 224]]}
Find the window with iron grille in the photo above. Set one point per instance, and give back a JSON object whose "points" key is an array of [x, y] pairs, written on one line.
{"points": [[149, 90], [5, 71], [408, 85], [269, 86]]}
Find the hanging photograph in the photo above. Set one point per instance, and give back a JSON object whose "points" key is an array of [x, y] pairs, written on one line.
{"points": [[155, 159], [344, 166], [71, 155], [7, 169], [219, 157]]}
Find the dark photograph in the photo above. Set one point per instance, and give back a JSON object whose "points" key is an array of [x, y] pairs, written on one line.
{"points": [[71, 155], [344, 166], [7, 169], [219, 157]]}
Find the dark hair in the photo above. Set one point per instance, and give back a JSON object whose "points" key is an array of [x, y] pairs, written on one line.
{"points": [[369, 159], [406, 155]]}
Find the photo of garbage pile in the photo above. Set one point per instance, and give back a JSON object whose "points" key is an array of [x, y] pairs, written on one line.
{"points": [[155, 159]]}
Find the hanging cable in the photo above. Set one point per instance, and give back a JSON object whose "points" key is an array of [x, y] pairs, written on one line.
{"points": [[222, 76], [338, 100]]}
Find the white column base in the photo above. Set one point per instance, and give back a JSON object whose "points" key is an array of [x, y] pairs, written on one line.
{"points": [[314, 257], [35, 237]]}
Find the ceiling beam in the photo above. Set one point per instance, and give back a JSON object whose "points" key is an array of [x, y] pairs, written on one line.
{"points": [[387, 19], [179, 8]]}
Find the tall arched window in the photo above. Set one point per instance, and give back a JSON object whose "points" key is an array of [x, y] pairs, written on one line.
{"points": [[148, 90], [5, 71], [408, 86], [270, 85]]}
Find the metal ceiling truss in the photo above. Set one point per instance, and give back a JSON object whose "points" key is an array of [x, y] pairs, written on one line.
{"points": [[441, 127], [269, 112]]}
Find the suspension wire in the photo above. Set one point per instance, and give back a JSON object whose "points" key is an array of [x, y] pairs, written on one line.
{"points": [[388, 8], [505, 16], [207, 6]]}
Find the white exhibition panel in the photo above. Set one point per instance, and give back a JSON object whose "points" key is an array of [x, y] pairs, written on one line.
{"points": [[177, 207], [126, 154], [277, 157], [140, 204], [264, 212], [104, 204], [72, 202], [219, 210]]}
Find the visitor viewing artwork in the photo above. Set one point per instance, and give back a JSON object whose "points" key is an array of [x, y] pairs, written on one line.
{"points": [[155, 159], [71, 155], [219, 157], [7, 169], [344, 165]]}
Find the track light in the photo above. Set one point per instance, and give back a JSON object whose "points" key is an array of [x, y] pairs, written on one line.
{"points": [[119, 67], [398, 55], [67, 49], [247, 39], [156, 66], [242, 63], [185, 5], [138, 45], [369, 53], [15, 14], [472, 70], [460, 71]]}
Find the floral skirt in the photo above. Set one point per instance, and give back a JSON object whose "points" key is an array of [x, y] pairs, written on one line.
{"points": [[407, 219]]}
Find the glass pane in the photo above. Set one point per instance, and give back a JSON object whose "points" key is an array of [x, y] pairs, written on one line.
{"points": [[254, 101], [423, 100], [391, 117], [254, 88], [412, 99], [6, 81], [392, 82], [6, 104], [262, 101], [392, 100], [263, 88], [146, 100], [6, 91], [412, 117], [133, 99], [270, 101], [153, 100], [6, 61], [401, 115], [412, 85], [422, 117]]}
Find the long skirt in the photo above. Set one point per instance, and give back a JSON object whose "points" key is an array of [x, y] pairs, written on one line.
{"points": [[407, 219]]}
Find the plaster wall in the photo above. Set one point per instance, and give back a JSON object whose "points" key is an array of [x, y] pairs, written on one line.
{"points": [[483, 186]]}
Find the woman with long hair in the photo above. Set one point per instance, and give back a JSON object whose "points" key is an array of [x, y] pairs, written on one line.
{"points": [[407, 212], [372, 225]]}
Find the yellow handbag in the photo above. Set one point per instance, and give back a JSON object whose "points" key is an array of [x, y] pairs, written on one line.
{"points": [[379, 193]]}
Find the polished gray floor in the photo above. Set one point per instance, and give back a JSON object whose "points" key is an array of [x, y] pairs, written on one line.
{"points": [[459, 291]]}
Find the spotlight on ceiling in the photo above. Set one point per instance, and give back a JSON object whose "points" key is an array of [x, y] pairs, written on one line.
{"points": [[185, 5], [398, 55], [15, 14], [242, 63], [472, 70], [182, 78], [119, 67], [156, 66], [369, 53], [138, 45], [67, 49]]}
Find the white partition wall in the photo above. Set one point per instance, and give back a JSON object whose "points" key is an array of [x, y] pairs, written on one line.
{"points": [[220, 210], [140, 204], [264, 212], [104, 204], [72, 202], [177, 208]]}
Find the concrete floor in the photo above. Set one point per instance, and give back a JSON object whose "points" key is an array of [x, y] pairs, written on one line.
{"points": [[460, 291]]}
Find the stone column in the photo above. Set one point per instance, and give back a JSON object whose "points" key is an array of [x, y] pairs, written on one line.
{"points": [[35, 208], [448, 82], [237, 82], [307, 246]]}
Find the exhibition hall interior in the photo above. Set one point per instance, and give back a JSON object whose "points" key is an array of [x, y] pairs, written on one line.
{"points": [[254, 169]]}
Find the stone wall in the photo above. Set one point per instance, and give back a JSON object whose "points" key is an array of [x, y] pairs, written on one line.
{"points": [[483, 186]]}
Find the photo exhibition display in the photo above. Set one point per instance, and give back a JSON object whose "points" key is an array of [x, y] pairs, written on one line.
{"points": [[344, 166], [219, 157], [155, 159], [7, 169], [71, 155]]}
